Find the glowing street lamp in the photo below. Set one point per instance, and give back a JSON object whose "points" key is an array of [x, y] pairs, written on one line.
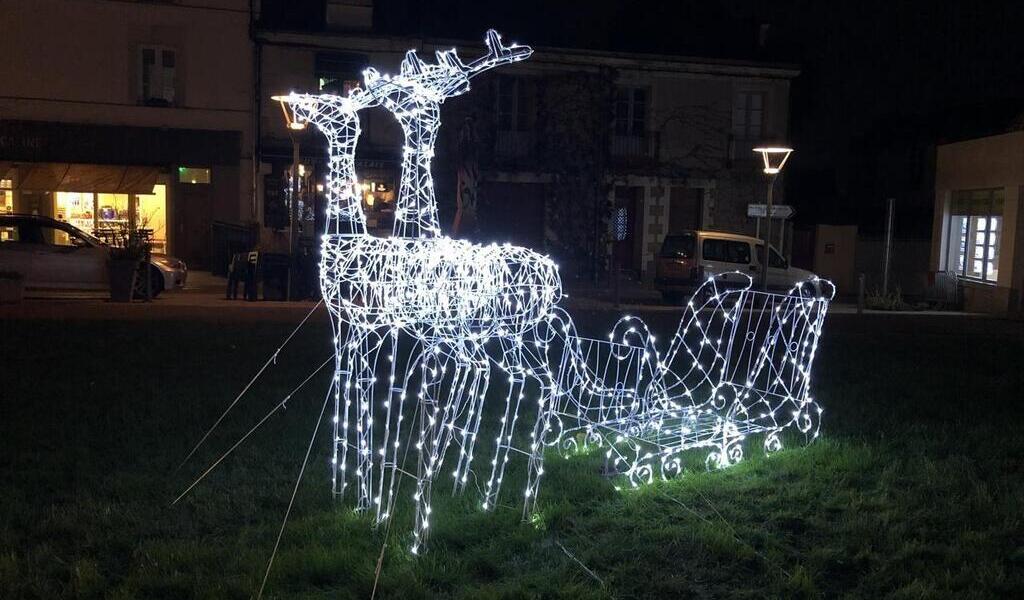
{"points": [[295, 126], [774, 158]]}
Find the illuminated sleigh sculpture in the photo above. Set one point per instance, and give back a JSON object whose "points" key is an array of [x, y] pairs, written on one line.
{"points": [[738, 365], [427, 322]]}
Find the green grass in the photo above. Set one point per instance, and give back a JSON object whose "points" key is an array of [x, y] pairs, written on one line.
{"points": [[914, 491]]}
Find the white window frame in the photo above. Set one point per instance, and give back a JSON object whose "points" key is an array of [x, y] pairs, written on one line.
{"points": [[630, 117], [742, 105], [973, 240], [160, 71], [518, 116]]}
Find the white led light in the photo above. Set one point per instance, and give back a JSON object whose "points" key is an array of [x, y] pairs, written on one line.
{"points": [[434, 315]]}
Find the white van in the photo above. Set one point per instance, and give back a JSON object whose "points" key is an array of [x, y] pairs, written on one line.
{"points": [[687, 259]]}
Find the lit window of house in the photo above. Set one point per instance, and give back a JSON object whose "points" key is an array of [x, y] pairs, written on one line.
{"points": [[157, 75], [630, 111], [975, 230], [748, 115]]}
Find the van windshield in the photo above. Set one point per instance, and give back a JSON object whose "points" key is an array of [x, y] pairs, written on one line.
{"points": [[679, 246]]}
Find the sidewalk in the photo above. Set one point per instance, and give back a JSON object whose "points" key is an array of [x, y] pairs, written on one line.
{"points": [[202, 299]]}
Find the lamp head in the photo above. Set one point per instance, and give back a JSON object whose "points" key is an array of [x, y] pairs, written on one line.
{"points": [[288, 109], [774, 157]]}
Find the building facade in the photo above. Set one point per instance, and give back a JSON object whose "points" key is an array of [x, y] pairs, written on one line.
{"points": [[591, 156], [135, 114], [978, 225], [159, 115]]}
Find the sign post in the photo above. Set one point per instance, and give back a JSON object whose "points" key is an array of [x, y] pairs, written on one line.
{"points": [[769, 211]]}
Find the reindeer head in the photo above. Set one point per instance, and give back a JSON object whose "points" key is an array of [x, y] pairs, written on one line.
{"points": [[448, 77]]}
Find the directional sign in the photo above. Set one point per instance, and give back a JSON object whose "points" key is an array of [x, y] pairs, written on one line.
{"points": [[779, 211]]}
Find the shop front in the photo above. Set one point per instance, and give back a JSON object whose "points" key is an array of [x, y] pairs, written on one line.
{"points": [[102, 200], [106, 180], [377, 188]]}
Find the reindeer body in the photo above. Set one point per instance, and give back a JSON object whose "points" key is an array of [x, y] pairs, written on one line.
{"points": [[450, 296]]}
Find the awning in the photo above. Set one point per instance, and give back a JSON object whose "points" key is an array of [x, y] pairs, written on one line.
{"points": [[74, 177]]}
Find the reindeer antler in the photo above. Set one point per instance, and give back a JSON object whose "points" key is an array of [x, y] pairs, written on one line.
{"points": [[497, 54]]}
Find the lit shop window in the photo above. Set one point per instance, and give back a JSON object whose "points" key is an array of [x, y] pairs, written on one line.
{"points": [[193, 175], [7, 234], [106, 215], [6, 197], [151, 214], [975, 230]]}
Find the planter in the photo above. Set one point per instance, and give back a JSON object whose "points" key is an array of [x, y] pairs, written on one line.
{"points": [[123, 272], [12, 290]]}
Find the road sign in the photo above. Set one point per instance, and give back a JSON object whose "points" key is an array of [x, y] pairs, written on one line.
{"points": [[779, 211]]}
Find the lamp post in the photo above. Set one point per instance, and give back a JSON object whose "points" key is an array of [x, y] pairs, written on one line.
{"points": [[774, 158], [295, 126]]}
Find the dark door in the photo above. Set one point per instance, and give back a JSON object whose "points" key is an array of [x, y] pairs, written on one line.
{"points": [[626, 225], [192, 218], [684, 211]]}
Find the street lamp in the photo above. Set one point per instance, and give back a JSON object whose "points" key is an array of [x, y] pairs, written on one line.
{"points": [[295, 126], [774, 158]]}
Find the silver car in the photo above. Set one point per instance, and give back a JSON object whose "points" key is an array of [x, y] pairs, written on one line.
{"points": [[688, 258], [53, 255]]}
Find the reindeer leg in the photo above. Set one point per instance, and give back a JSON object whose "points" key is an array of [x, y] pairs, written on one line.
{"points": [[436, 425], [513, 366]]}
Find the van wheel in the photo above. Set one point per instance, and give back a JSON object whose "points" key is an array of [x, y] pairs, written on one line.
{"points": [[156, 282]]}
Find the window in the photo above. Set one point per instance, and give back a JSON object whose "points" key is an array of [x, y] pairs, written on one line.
{"points": [[21, 232], [157, 74], [58, 236], [975, 230], [726, 251], [193, 175], [775, 260], [748, 115], [678, 246], [338, 72], [630, 111], [9, 231], [620, 224], [336, 85], [511, 103]]}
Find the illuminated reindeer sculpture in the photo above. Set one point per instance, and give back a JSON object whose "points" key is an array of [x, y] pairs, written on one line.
{"points": [[423, 323], [424, 305]]}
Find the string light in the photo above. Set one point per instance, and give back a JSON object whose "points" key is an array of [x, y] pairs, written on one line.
{"points": [[432, 321]]}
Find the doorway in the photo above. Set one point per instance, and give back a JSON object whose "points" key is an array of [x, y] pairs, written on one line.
{"points": [[627, 225], [193, 216]]}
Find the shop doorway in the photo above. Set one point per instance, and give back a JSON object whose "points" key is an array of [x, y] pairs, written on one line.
{"points": [[193, 215]]}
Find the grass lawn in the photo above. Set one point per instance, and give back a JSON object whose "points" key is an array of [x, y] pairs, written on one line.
{"points": [[914, 490]]}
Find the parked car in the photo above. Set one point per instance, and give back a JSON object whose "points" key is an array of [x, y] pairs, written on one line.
{"points": [[688, 258], [53, 255]]}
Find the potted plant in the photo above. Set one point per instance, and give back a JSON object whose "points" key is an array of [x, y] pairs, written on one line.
{"points": [[128, 250], [11, 287]]}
